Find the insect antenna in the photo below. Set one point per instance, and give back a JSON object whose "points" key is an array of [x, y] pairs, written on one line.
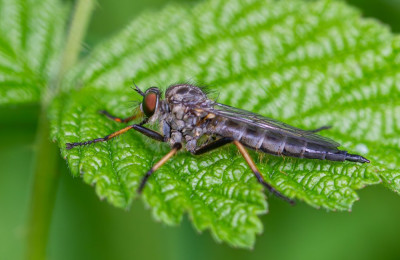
{"points": [[137, 89]]}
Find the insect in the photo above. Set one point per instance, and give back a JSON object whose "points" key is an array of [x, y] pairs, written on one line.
{"points": [[186, 114]]}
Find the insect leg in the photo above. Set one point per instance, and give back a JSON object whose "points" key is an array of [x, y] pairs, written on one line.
{"points": [[325, 127], [214, 145], [256, 172], [147, 132], [175, 148], [118, 119]]}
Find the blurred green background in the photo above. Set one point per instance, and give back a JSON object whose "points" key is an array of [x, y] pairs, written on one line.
{"points": [[83, 227]]}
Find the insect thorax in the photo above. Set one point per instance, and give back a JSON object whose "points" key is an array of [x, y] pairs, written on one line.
{"points": [[182, 114]]}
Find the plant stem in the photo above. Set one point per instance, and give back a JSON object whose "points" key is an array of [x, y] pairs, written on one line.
{"points": [[44, 190], [46, 164], [79, 24]]}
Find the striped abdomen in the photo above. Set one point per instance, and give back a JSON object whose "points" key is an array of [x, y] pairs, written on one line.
{"points": [[276, 143]]}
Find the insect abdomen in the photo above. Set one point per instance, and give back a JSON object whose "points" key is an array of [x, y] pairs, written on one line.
{"points": [[299, 148], [280, 144]]}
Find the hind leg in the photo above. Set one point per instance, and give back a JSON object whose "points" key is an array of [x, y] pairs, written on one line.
{"points": [[320, 129]]}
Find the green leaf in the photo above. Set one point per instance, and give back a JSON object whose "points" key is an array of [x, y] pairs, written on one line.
{"points": [[305, 63], [32, 33]]}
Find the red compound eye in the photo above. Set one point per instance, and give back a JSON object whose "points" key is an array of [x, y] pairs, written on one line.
{"points": [[149, 104]]}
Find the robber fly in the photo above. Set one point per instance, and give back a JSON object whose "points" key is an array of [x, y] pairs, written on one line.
{"points": [[186, 114]]}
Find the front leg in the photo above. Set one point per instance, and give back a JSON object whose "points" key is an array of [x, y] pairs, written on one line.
{"points": [[119, 119], [141, 129]]}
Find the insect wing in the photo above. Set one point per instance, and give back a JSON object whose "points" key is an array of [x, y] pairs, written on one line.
{"points": [[269, 124]]}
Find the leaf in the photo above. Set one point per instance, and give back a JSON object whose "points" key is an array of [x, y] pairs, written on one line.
{"points": [[32, 33], [305, 63]]}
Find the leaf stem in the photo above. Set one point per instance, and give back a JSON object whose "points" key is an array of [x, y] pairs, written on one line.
{"points": [[79, 24], [46, 161], [44, 190]]}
